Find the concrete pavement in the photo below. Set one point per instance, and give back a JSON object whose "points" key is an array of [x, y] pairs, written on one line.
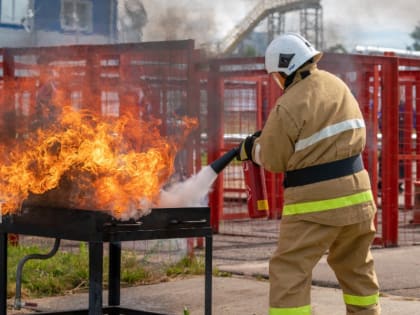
{"points": [[398, 270], [246, 291], [231, 296]]}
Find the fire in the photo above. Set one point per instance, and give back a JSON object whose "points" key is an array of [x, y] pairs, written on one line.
{"points": [[88, 161]]}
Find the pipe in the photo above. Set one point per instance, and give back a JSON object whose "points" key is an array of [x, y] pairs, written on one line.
{"points": [[18, 302], [219, 164]]}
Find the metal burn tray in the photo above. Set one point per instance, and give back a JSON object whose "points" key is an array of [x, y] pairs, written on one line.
{"points": [[97, 228]]}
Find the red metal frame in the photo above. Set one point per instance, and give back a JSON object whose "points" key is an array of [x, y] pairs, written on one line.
{"points": [[164, 71], [164, 67], [375, 82], [390, 151], [221, 72]]}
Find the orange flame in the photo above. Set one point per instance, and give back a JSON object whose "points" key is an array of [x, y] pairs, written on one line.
{"points": [[90, 162]]}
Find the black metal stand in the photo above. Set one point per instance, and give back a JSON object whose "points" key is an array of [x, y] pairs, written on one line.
{"points": [[3, 273], [114, 275], [95, 280], [97, 228]]}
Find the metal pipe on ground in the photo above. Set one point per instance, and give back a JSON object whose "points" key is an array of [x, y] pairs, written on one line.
{"points": [[18, 297]]}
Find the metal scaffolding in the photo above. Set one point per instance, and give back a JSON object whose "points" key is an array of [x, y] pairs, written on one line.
{"points": [[311, 26], [310, 18]]}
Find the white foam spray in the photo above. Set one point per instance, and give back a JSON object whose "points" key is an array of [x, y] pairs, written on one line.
{"points": [[193, 192]]}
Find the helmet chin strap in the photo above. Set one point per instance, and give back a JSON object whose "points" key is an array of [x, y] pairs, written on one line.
{"points": [[279, 79]]}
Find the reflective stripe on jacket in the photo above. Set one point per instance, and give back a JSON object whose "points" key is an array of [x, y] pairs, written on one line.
{"points": [[317, 120]]}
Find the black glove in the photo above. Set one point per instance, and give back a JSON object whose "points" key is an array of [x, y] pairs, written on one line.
{"points": [[245, 148]]}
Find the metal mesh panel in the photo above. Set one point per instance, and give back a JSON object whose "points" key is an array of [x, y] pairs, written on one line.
{"points": [[240, 120], [243, 96], [408, 148], [237, 96], [146, 79]]}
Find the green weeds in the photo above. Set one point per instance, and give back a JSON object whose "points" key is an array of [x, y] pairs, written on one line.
{"points": [[68, 272]]}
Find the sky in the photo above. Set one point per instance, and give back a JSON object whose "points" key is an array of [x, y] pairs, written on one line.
{"points": [[381, 23], [385, 23]]}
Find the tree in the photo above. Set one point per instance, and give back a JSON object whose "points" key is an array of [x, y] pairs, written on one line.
{"points": [[415, 35], [249, 51]]}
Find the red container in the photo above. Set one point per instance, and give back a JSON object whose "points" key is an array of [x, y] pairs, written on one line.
{"points": [[256, 190]]}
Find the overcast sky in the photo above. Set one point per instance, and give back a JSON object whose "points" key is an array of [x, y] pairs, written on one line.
{"points": [[371, 22], [385, 23]]}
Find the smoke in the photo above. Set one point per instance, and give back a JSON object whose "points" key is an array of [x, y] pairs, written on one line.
{"points": [[133, 18], [372, 22], [201, 20], [170, 20], [191, 193], [209, 21]]}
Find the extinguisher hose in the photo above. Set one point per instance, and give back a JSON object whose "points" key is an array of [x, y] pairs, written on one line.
{"points": [[219, 164]]}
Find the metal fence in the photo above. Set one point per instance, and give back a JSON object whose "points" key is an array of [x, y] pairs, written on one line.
{"points": [[386, 88], [155, 79], [232, 98]]}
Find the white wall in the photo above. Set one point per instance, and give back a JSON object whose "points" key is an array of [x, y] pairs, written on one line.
{"points": [[14, 38], [43, 38], [21, 38]]}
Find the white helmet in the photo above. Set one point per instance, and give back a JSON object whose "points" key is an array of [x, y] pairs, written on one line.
{"points": [[288, 52]]}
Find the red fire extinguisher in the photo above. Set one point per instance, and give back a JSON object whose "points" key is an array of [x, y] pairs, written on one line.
{"points": [[256, 190]]}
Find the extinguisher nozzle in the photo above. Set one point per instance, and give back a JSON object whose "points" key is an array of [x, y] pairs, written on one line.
{"points": [[219, 164]]}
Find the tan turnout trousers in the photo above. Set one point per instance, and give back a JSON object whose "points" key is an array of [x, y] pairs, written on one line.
{"points": [[301, 245]]}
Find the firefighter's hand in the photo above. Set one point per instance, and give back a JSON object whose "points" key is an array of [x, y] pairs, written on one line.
{"points": [[245, 148]]}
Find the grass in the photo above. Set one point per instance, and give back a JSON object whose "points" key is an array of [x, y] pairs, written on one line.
{"points": [[68, 272], [186, 266]]}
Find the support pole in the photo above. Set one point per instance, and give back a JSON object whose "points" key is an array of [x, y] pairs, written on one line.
{"points": [[95, 277], [3, 273], [114, 273], [389, 160], [208, 275]]}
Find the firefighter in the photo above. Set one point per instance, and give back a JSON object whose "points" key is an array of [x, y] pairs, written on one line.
{"points": [[315, 135]]}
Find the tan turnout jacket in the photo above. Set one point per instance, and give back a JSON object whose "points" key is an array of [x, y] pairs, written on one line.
{"points": [[316, 121]]}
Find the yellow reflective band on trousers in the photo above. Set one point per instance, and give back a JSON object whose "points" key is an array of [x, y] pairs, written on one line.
{"points": [[302, 310], [328, 204], [361, 300]]}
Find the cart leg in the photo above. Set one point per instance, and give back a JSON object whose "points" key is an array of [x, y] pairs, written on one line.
{"points": [[208, 275], [3, 273], [114, 273], [95, 277]]}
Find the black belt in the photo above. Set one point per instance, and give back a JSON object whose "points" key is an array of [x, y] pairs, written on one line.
{"points": [[321, 172]]}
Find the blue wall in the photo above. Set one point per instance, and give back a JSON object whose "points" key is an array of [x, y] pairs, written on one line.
{"points": [[47, 16]]}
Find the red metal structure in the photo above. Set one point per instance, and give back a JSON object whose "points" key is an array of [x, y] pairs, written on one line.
{"points": [[232, 98], [376, 82], [148, 79], [240, 96]]}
